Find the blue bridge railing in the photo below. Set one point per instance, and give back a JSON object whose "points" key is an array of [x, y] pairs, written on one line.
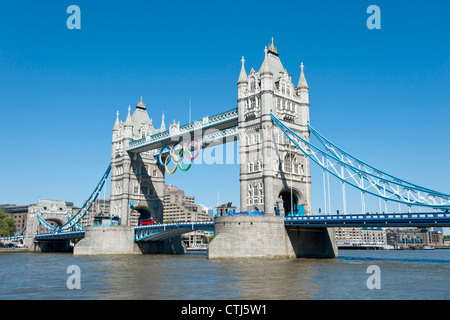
{"points": [[367, 220], [166, 230]]}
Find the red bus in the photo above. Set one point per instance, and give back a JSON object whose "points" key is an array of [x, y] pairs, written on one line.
{"points": [[146, 222]]}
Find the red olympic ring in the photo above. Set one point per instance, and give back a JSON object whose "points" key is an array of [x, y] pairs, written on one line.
{"points": [[196, 153]]}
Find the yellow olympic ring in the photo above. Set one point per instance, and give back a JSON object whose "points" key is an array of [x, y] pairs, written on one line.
{"points": [[175, 161]]}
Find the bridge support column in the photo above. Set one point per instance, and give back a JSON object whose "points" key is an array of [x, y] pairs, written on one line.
{"points": [[244, 236], [107, 240]]}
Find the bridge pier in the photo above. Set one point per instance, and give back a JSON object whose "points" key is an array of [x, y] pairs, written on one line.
{"points": [[107, 240], [245, 236], [100, 240]]}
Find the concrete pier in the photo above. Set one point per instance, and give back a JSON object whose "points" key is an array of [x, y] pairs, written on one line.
{"points": [[107, 240], [100, 240], [243, 236]]}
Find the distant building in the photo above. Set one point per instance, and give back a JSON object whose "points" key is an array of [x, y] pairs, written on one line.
{"points": [[99, 207], [46, 206], [18, 213], [179, 207], [224, 209], [415, 238], [351, 237]]}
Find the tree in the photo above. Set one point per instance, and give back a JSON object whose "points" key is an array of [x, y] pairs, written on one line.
{"points": [[7, 224]]}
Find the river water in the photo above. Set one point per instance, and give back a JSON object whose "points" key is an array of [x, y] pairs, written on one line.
{"points": [[416, 274]]}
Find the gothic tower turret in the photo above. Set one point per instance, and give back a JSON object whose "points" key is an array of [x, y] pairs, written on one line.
{"points": [[137, 181], [273, 172]]}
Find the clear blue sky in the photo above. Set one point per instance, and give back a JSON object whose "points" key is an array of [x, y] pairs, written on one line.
{"points": [[383, 95]]}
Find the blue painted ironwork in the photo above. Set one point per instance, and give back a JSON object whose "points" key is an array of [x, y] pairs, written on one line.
{"points": [[362, 176], [167, 230], [249, 213], [74, 221], [61, 235], [145, 232], [430, 219]]}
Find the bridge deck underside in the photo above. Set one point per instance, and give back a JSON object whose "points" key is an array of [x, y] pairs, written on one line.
{"points": [[164, 235]]}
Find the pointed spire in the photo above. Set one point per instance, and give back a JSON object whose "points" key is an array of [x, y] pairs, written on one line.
{"points": [[272, 48], [141, 105], [265, 65], [163, 125], [243, 74], [128, 121], [116, 124], [302, 81]]}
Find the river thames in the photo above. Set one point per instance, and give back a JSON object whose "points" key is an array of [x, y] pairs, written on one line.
{"points": [[406, 275]]}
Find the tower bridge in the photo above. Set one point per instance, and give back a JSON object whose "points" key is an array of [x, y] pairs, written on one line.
{"points": [[275, 154]]}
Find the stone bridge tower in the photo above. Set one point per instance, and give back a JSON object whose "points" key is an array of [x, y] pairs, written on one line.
{"points": [[137, 181], [273, 171], [55, 212]]}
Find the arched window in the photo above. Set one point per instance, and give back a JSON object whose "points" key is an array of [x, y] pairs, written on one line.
{"points": [[288, 163], [296, 166]]}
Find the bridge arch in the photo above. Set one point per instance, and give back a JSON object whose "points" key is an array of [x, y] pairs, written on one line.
{"points": [[145, 212], [291, 201]]}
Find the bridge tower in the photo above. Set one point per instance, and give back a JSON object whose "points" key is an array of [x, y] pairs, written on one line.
{"points": [[137, 181], [273, 172], [55, 212]]}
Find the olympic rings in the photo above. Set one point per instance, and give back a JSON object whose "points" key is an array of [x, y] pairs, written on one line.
{"points": [[177, 159]]}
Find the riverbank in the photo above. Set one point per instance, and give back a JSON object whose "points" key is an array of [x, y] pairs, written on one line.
{"points": [[11, 250]]}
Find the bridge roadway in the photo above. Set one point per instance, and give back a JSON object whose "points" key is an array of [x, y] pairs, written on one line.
{"points": [[157, 232], [209, 131]]}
